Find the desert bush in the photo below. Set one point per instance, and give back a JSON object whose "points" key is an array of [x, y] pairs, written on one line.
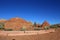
{"points": [[46, 27], [53, 26], [1, 26], [23, 29]]}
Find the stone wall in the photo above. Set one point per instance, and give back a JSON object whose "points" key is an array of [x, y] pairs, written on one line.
{"points": [[17, 33]]}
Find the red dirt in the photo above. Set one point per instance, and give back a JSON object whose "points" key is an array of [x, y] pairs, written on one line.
{"points": [[48, 36]]}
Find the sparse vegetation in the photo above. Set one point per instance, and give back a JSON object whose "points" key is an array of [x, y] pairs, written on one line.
{"points": [[53, 26], [1, 26], [46, 27], [23, 28], [22, 25]]}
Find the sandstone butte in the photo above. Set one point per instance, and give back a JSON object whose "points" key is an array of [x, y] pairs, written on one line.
{"points": [[45, 23], [18, 23]]}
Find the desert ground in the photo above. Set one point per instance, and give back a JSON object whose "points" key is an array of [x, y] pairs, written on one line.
{"points": [[47, 36]]}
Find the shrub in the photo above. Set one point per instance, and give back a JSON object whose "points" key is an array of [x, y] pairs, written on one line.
{"points": [[1, 26], [46, 27], [23, 29], [53, 26]]}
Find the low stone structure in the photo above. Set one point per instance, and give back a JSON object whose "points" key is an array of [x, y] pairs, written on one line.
{"points": [[18, 33]]}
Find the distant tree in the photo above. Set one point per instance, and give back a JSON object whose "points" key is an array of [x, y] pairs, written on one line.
{"points": [[34, 24]]}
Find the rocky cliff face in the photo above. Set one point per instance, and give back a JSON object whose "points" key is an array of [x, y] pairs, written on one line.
{"points": [[45, 23], [17, 24]]}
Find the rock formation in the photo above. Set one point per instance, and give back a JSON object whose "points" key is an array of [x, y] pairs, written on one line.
{"points": [[17, 24], [45, 23], [3, 20]]}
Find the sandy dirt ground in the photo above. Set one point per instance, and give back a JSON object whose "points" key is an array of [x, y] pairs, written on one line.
{"points": [[47, 36]]}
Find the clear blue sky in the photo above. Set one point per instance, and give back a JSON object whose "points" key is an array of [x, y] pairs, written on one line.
{"points": [[31, 10]]}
